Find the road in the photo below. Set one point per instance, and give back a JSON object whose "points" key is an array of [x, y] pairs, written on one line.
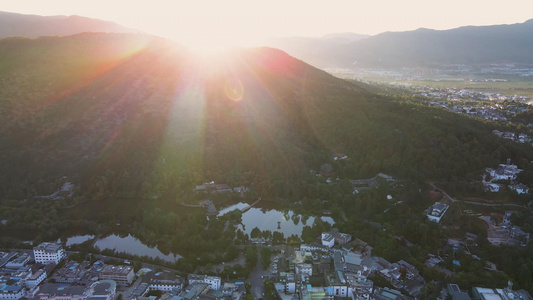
{"points": [[255, 278], [256, 275], [473, 202]]}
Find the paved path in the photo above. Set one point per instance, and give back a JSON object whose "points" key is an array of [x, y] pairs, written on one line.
{"points": [[255, 278], [473, 202]]}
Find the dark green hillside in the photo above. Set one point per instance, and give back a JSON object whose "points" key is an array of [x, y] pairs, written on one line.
{"points": [[132, 116]]}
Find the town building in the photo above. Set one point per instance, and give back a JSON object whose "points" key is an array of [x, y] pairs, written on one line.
{"points": [[389, 294], [329, 239], [58, 291], [193, 290], [212, 281], [11, 292], [481, 293], [456, 294], [122, 275], [36, 278], [163, 281], [520, 188], [19, 261], [436, 211], [504, 171], [102, 290], [48, 253], [304, 269], [308, 292]]}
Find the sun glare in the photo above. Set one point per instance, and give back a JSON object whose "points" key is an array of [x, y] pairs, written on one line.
{"points": [[234, 89]]}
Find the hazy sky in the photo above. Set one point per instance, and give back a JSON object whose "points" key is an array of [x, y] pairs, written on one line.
{"points": [[245, 22]]}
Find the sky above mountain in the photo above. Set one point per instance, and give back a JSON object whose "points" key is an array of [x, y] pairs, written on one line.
{"points": [[213, 24]]}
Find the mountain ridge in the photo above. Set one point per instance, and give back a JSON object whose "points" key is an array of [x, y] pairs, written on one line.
{"points": [[33, 26], [423, 47]]}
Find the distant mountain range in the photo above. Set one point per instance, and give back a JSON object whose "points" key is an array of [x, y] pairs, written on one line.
{"points": [[315, 50], [473, 45], [32, 26]]}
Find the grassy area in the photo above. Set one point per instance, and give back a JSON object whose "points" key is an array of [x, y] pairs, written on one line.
{"points": [[516, 86]]}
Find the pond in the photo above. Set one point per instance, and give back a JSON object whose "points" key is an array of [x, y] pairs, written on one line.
{"points": [[288, 222], [78, 239], [132, 245]]}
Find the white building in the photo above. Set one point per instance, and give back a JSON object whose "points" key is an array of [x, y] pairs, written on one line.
{"points": [[505, 171], [492, 187], [164, 281], [102, 290], [11, 292], [35, 279], [520, 188], [122, 275], [308, 248], [48, 253], [328, 240], [437, 211], [213, 281], [305, 269]]}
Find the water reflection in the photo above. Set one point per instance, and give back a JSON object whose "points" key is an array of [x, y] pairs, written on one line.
{"points": [[78, 239], [134, 246], [269, 219]]}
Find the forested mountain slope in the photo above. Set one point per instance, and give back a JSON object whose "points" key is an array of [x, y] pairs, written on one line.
{"points": [[140, 117]]}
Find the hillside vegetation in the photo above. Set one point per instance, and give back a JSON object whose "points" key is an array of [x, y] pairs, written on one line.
{"points": [[135, 116]]}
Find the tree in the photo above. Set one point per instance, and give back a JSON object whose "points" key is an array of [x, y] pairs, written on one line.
{"points": [[255, 233]]}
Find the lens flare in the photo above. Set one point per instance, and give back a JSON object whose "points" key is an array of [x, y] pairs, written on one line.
{"points": [[234, 89]]}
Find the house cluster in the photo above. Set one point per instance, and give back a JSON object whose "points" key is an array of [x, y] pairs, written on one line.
{"points": [[212, 187], [436, 211], [508, 172], [339, 267], [481, 105], [195, 287], [483, 293], [24, 275], [360, 185], [506, 233], [513, 136]]}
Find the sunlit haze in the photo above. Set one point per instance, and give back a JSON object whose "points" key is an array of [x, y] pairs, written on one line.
{"points": [[245, 23]]}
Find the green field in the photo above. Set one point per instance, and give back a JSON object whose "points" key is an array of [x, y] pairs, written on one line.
{"points": [[515, 86]]}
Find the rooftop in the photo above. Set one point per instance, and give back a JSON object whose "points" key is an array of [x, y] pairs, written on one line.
{"points": [[122, 270], [49, 247]]}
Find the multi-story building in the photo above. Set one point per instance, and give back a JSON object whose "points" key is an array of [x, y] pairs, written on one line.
{"points": [[36, 278], [11, 292], [20, 261], [163, 281], [48, 253], [213, 281], [122, 275], [305, 269]]}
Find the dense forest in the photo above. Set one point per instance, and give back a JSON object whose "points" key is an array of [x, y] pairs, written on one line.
{"points": [[134, 116]]}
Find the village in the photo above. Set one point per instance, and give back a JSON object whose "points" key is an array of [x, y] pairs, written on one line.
{"points": [[336, 266]]}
